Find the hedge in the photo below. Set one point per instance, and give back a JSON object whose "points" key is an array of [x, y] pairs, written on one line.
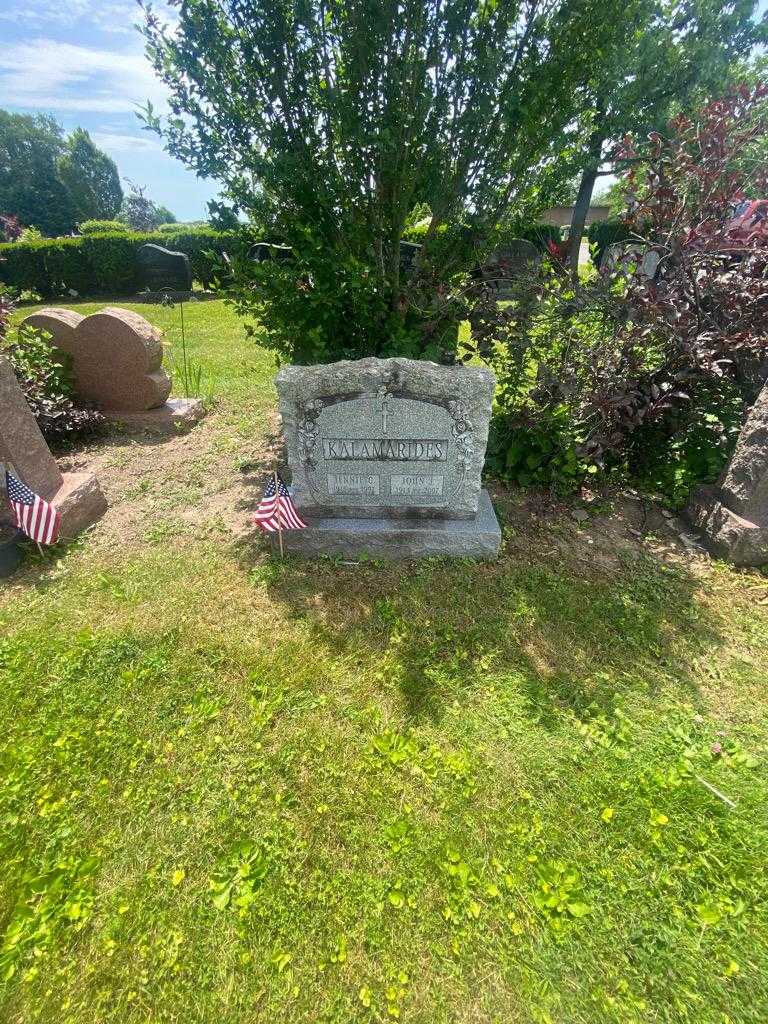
{"points": [[604, 233], [100, 227], [102, 263]]}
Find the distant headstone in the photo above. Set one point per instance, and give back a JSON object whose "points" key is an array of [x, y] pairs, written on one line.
{"points": [[514, 260], [161, 269], [386, 457], [77, 496], [733, 515], [264, 252], [409, 255], [635, 256]]}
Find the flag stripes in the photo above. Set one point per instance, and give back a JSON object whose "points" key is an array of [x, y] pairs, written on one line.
{"points": [[276, 511], [35, 517]]}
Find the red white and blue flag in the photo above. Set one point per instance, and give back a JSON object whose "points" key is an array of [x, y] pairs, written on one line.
{"points": [[39, 520], [277, 511]]}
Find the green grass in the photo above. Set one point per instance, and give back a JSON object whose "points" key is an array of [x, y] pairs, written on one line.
{"points": [[233, 789]]}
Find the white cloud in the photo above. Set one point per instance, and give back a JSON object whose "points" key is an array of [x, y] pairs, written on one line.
{"points": [[113, 16], [52, 75], [122, 142]]}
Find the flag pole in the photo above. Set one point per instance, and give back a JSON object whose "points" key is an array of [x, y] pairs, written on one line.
{"points": [[277, 508]]}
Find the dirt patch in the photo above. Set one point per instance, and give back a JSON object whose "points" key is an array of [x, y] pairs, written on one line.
{"points": [[599, 530], [211, 479], [180, 484]]}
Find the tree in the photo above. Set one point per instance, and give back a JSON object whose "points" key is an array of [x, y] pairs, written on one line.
{"points": [[328, 120], [91, 178], [165, 215], [30, 187], [140, 213], [673, 55]]}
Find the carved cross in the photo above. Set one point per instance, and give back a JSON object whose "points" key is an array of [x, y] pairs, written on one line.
{"points": [[384, 410]]}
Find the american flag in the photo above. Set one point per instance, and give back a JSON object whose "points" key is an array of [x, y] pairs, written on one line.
{"points": [[35, 517], [277, 511]]}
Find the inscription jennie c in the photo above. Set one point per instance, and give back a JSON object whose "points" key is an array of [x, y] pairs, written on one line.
{"points": [[386, 437], [353, 483]]}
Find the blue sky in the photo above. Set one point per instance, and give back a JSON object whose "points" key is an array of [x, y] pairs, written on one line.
{"points": [[82, 61]]}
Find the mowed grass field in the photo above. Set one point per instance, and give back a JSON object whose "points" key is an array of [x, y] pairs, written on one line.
{"points": [[236, 790]]}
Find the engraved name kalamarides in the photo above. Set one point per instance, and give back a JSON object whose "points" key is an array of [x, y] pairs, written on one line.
{"points": [[386, 449]]}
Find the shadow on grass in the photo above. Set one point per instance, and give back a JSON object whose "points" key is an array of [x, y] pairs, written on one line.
{"points": [[551, 638]]}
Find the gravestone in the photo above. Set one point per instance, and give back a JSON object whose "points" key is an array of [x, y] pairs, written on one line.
{"points": [[23, 450], [116, 361], [733, 514], [386, 457], [516, 259], [162, 269], [635, 257]]}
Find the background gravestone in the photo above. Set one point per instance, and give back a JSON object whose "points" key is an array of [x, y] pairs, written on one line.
{"points": [[77, 496], [162, 269], [516, 259], [387, 455], [733, 515]]}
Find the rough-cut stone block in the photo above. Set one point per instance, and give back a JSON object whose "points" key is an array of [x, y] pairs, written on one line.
{"points": [[80, 502], [23, 449], [386, 538], [21, 443], [178, 414], [744, 484], [385, 438], [116, 356], [727, 534], [733, 515]]}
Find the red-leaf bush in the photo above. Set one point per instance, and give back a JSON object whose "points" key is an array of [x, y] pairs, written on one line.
{"points": [[655, 374]]}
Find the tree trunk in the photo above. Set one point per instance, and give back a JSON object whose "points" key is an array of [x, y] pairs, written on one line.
{"points": [[583, 199]]}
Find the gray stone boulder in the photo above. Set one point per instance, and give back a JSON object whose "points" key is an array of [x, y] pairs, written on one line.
{"points": [[733, 514]]}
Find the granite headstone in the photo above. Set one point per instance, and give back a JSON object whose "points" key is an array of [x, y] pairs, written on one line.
{"points": [[23, 450], [162, 269], [116, 356], [386, 457], [518, 258]]}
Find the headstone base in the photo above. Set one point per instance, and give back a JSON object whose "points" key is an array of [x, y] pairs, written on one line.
{"points": [[398, 538], [178, 414], [80, 502], [727, 534]]}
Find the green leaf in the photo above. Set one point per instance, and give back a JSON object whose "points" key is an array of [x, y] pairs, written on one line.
{"points": [[578, 909]]}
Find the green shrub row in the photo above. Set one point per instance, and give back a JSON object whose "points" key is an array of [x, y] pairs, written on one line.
{"points": [[103, 263], [100, 227]]}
